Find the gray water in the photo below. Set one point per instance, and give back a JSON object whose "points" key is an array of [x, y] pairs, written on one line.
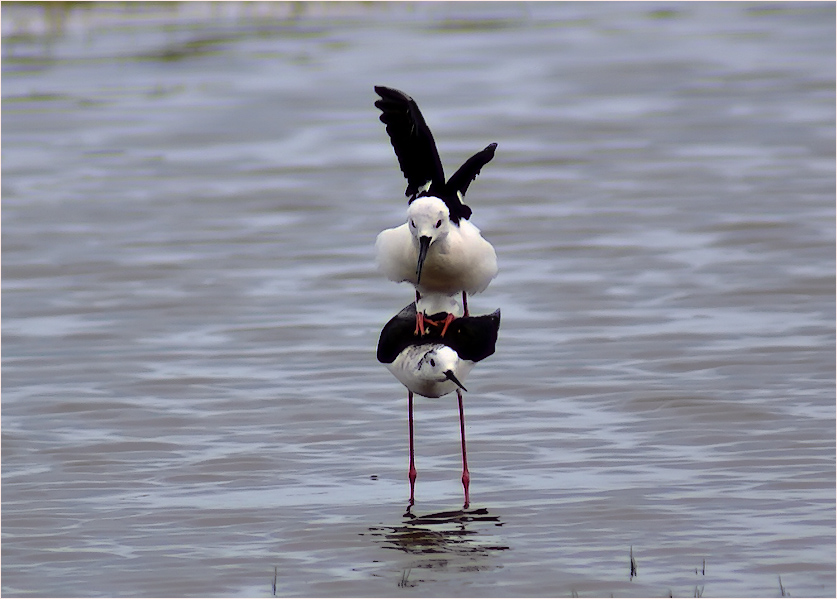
{"points": [[191, 402]]}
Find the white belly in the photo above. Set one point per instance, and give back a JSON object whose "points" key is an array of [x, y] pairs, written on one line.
{"points": [[463, 262]]}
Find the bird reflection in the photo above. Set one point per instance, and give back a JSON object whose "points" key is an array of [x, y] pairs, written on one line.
{"points": [[442, 542], [442, 533]]}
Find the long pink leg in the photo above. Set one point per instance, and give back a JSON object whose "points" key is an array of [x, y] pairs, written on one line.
{"points": [[419, 324], [412, 472], [464, 303], [419, 317], [448, 319], [466, 476]]}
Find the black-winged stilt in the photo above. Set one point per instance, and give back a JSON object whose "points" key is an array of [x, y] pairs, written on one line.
{"points": [[433, 366], [437, 250]]}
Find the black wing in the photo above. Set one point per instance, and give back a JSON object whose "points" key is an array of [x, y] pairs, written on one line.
{"points": [[458, 184], [472, 337], [411, 139], [397, 334]]}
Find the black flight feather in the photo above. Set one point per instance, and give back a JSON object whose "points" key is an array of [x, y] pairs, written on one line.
{"points": [[411, 139], [471, 337], [418, 157]]}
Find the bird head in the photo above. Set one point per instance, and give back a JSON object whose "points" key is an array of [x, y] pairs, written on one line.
{"points": [[429, 221], [442, 362]]}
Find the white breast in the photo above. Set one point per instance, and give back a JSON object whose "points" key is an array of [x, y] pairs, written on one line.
{"points": [[464, 261]]}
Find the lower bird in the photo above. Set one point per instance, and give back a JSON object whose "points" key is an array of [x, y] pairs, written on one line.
{"points": [[433, 366]]}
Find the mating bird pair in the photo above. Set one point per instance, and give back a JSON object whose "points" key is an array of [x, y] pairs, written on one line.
{"points": [[432, 344]]}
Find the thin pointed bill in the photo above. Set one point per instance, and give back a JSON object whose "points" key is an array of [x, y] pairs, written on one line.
{"points": [[452, 377], [424, 245]]}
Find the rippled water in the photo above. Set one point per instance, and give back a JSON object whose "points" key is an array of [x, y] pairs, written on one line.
{"points": [[191, 401]]}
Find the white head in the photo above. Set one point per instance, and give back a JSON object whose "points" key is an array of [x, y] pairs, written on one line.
{"points": [[439, 364], [431, 369], [429, 221]]}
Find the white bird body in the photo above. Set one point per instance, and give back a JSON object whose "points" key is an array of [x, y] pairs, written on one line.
{"points": [[430, 370], [437, 250], [457, 259]]}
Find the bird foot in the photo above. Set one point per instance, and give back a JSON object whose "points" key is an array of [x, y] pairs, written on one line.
{"points": [[448, 319], [423, 323], [420, 322]]}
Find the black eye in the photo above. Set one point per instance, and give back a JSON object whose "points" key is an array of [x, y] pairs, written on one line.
{"points": [[432, 363], [412, 223], [438, 223]]}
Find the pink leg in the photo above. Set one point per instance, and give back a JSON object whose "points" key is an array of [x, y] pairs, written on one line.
{"points": [[448, 319], [466, 476], [422, 321], [412, 472], [465, 303], [419, 317]]}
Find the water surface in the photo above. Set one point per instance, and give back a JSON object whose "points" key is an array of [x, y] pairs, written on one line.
{"points": [[191, 401]]}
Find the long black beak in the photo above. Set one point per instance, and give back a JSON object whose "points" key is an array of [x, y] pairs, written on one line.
{"points": [[452, 377], [424, 245]]}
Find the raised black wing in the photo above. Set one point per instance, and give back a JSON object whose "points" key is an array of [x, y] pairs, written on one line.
{"points": [[412, 141], [458, 184]]}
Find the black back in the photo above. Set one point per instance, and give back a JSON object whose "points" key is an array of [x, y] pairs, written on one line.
{"points": [[417, 155], [472, 337]]}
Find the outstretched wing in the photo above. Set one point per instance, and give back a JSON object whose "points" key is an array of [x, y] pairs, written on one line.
{"points": [[397, 334], [412, 141], [458, 184], [474, 337]]}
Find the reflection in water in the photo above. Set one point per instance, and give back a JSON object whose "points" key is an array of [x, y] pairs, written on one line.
{"points": [[444, 540]]}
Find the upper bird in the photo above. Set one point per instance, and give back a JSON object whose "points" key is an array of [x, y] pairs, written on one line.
{"points": [[437, 250]]}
